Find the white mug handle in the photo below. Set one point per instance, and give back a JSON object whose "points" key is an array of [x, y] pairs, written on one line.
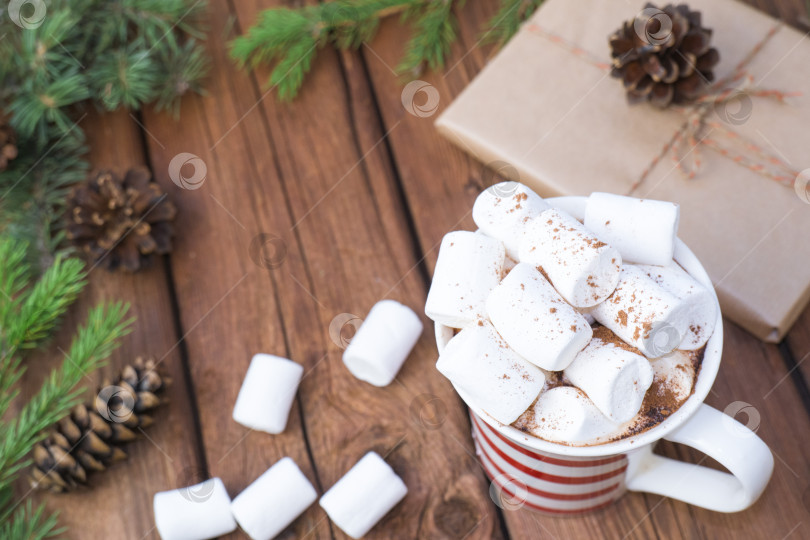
{"points": [[721, 437]]}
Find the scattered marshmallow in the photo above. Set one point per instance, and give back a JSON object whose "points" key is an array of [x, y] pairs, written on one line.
{"points": [[676, 373], [612, 376], [535, 321], [383, 342], [497, 379], [468, 268], [643, 230], [702, 305], [195, 512], [643, 314], [582, 268], [565, 414], [364, 495], [503, 210], [273, 501], [267, 393]]}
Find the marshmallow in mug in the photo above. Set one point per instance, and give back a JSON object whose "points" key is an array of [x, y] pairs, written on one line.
{"points": [[613, 377], [363, 495], [503, 210], [643, 314], [676, 373], [702, 305], [582, 268], [535, 321], [273, 501], [194, 513], [267, 393], [567, 416], [468, 268], [383, 342], [497, 379], [643, 230]]}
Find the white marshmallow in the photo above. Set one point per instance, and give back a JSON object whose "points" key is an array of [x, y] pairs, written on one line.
{"points": [[702, 305], [676, 373], [586, 313], [583, 269], [565, 414], [643, 314], [503, 210], [273, 501], [495, 377], [614, 378], [267, 393], [535, 321], [468, 268], [195, 512], [363, 496], [383, 342], [643, 230]]}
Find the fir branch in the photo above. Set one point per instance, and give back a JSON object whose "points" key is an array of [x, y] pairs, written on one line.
{"points": [[27, 523], [91, 346], [506, 22], [289, 38], [434, 34]]}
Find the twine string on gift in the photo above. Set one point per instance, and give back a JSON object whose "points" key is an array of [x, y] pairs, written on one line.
{"points": [[697, 130]]}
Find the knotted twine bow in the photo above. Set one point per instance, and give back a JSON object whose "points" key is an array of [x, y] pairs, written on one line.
{"points": [[698, 129]]}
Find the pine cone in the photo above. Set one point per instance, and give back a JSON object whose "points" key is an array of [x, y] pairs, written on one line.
{"points": [[120, 223], [663, 55], [89, 438], [8, 144]]}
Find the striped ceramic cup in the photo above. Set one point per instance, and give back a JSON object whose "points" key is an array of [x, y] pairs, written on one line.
{"points": [[530, 473]]}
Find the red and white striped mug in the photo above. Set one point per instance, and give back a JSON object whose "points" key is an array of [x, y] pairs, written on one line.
{"points": [[528, 472]]}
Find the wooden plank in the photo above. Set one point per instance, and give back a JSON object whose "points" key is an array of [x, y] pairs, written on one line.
{"points": [[440, 184], [275, 166], [120, 503]]}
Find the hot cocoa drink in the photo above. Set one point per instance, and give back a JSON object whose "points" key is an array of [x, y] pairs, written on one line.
{"points": [[576, 333]]}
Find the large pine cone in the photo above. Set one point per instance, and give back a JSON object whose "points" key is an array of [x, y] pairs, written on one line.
{"points": [[663, 55], [120, 223], [89, 438]]}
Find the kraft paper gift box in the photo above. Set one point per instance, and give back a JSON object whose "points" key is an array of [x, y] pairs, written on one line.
{"points": [[547, 106]]}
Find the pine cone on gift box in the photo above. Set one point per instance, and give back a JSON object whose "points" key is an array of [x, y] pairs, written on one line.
{"points": [[663, 55], [89, 438], [120, 222], [8, 144]]}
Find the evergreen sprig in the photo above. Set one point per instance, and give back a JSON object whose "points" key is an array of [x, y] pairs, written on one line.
{"points": [[288, 39], [107, 53], [29, 312]]}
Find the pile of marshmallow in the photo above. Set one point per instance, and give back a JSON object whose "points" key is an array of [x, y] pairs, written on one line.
{"points": [[366, 493], [525, 289]]}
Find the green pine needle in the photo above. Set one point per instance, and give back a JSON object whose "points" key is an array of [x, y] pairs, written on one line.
{"points": [[27, 523], [506, 22], [288, 39]]}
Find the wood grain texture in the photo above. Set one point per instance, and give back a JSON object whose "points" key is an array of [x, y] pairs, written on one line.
{"points": [[119, 505]]}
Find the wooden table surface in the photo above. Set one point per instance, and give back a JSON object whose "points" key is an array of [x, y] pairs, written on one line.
{"points": [[355, 194]]}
